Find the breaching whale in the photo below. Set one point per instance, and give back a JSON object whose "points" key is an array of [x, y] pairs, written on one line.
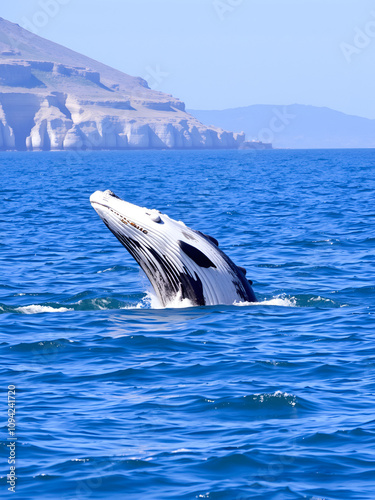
{"points": [[178, 261]]}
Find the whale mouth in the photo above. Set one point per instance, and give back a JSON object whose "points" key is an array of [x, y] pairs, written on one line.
{"points": [[102, 198], [97, 203]]}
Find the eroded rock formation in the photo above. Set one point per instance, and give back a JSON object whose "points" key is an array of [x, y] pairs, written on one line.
{"points": [[52, 98]]}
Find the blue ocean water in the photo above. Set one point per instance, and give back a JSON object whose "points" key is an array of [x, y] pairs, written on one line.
{"points": [[117, 398]]}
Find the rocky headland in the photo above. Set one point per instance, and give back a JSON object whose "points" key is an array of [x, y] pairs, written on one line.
{"points": [[52, 98]]}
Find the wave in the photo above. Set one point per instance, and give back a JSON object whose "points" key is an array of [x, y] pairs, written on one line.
{"points": [[38, 308], [149, 300], [299, 300], [278, 300]]}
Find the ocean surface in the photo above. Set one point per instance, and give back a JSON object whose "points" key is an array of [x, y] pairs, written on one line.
{"points": [[119, 398]]}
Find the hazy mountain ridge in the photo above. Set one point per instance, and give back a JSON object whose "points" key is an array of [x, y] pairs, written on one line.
{"points": [[295, 126], [54, 98]]}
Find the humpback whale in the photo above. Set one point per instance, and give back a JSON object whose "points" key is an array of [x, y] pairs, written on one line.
{"points": [[179, 261]]}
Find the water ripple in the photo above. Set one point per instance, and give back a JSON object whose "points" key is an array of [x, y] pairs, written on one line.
{"points": [[120, 398]]}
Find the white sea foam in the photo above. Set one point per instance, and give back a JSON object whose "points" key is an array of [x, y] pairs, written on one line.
{"points": [[37, 308], [277, 394], [151, 301], [179, 303], [106, 270], [319, 299], [101, 304], [279, 300]]}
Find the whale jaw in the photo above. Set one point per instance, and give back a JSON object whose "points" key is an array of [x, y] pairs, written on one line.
{"points": [[178, 261]]}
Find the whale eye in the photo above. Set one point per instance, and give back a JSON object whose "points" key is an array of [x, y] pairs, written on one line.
{"points": [[156, 218]]}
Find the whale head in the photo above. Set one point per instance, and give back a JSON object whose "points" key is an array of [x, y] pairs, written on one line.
{"points": [[178, 261]]}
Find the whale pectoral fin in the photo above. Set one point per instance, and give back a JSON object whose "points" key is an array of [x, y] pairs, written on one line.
{"points": [[195, 255]]}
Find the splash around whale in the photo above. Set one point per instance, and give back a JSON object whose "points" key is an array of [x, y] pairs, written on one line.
{"points": [[178, 261]]}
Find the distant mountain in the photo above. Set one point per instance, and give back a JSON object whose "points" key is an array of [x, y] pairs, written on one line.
{"points": [[294, 126], [52, 98]]}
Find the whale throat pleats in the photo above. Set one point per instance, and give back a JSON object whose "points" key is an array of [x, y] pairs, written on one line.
{"points": [[195, 255]]}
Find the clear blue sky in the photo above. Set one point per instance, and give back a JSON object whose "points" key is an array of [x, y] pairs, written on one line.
{"points": [[216, 54]]}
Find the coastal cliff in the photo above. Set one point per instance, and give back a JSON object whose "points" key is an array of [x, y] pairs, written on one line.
{"points": [[52, 98]]}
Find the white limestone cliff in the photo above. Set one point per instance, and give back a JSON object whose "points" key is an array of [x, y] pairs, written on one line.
{"points": [[52, 98], [7, 139]]}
